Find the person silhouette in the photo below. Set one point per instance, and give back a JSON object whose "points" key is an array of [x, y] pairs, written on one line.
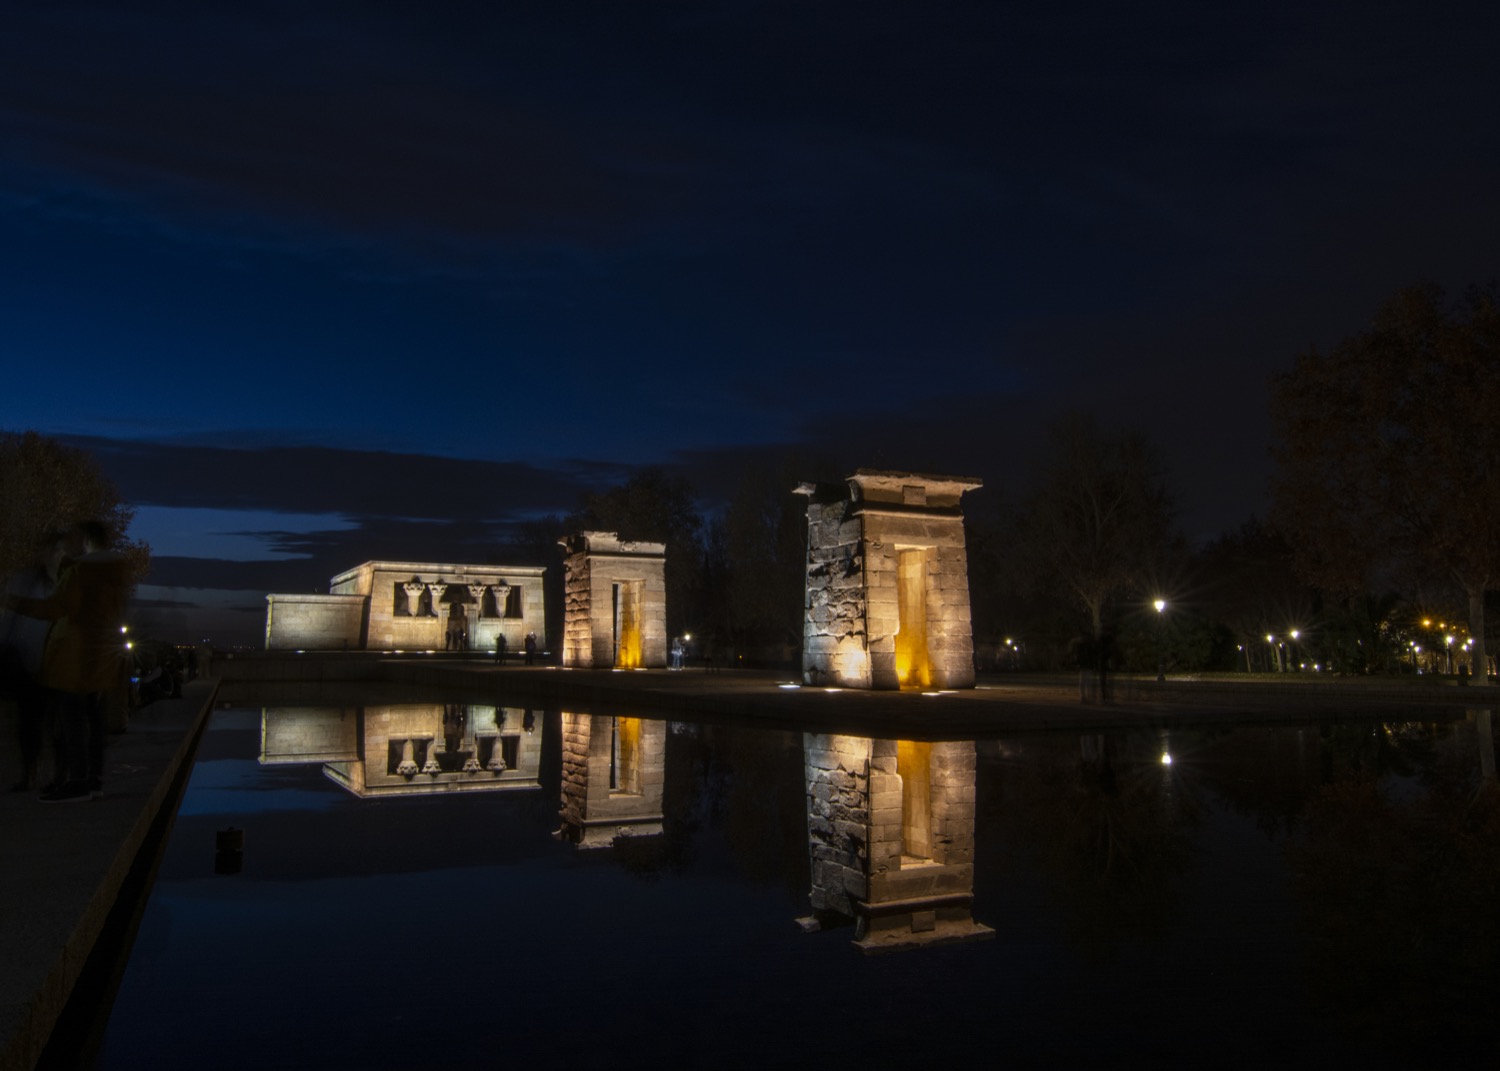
{"points": [[83, 656]]}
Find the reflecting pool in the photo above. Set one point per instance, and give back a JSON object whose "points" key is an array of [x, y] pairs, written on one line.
{"points": [[469, 884]]}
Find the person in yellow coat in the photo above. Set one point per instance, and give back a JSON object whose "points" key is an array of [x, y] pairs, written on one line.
{"points": [[83, 656]]}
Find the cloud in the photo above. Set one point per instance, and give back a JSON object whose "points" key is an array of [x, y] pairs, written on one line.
{"points": [[331, 480]]}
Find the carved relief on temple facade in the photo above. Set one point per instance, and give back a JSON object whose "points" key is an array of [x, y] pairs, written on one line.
{"points": [[413, 606], [410, 749]]}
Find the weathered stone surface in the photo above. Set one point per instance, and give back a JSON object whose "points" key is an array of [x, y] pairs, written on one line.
{"points": [[615, 613], [856, 538]]}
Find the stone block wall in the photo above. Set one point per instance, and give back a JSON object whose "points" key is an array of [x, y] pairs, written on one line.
{"points": [[314, 622], [578, 610], [838, 820], [596, 564], [835, 647]]}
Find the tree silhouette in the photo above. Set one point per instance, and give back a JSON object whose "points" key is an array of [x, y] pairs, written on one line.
{"points": [[1098, 520], [654, 506], [1388, 451], [47, 486]]}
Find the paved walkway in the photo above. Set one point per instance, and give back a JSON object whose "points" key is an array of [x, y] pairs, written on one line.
{"points": [[64, 864]]}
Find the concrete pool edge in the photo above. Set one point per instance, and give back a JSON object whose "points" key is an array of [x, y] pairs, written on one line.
{"points": [[67, 864]]}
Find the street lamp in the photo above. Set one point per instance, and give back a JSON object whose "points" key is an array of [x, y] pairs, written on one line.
{"points": [[1161, 665], [1292, 649]]}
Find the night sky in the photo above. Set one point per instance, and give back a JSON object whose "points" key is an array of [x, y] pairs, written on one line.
{"points": [[323, 282]]}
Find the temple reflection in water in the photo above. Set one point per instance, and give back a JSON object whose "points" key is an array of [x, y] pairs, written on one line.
{"points": [[409, 748], [1319, 893]]}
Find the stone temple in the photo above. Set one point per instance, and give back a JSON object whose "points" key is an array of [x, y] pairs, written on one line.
{"points": [[393, 606], [887, 582], [615, 603]]}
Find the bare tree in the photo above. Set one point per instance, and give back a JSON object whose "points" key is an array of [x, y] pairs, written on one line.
{"points": [[1098, 519]]}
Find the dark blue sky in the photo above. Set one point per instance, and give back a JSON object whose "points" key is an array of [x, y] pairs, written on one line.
{"points": [[325, 281]]}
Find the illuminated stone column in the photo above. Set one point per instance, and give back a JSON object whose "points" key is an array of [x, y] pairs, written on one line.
{"points": [[614, 770], [413, 597], [476, 592], [890, 831], [887, 595], [407, 767], [502, 599], [615, 603]]}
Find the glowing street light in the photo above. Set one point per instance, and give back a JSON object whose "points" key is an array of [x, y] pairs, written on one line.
{"points": [[1161, 664]]}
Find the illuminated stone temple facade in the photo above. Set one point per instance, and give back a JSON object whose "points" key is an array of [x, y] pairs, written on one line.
{"points": [[615, 603], [413, 606], [887, 601], [409, 749], [613, 773], [890, 829]]}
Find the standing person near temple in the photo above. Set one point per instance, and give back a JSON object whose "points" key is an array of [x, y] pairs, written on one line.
{"points": [[83, 655], [22, 640], [530, 648]]}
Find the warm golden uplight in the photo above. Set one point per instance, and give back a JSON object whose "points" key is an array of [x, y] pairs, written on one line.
{"points": [[913, 666], [914, 764], [628, 624]]}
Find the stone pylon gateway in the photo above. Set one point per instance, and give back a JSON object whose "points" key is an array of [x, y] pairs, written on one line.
{"points": [[615, 603], [887, 598]]}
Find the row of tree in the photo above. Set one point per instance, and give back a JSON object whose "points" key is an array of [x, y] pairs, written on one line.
{"points": [[1383, 541]]}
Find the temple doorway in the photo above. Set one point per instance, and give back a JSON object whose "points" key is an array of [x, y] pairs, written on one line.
{"points": [[627, 615], [913, 663]]}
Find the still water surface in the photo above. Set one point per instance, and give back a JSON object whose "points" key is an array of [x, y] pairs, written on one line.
{"points": [[1268, 897]]}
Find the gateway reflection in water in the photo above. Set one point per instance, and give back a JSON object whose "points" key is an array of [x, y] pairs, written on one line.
{"points": [[613, 773], [409, 748], [890, 833]]}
